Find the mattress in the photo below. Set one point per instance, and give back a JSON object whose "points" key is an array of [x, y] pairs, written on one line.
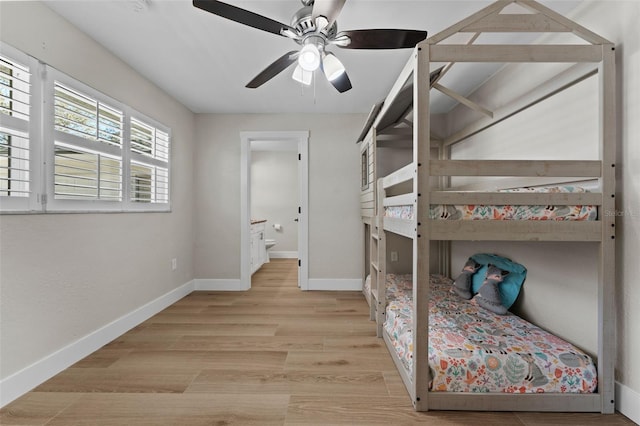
{"points": [[474, 350], [503, 212]]}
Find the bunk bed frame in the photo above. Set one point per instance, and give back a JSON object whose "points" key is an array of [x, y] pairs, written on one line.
{"points": [[404, 120]]}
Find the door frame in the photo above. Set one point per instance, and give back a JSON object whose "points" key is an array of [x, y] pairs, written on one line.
{"points": [[301, 141]]}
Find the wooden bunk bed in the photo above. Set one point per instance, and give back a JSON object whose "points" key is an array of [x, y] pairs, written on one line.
{"points": [[404, 119]]}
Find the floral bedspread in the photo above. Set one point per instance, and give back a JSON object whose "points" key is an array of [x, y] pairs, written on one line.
{"points": [[474, 350], [483, 212]]}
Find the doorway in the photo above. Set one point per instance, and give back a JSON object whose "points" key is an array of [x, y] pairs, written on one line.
{"points": [[257, 144]]}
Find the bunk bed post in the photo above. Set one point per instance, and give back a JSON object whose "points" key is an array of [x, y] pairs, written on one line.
{"points": [[421, 242], [381, 260], [606, 279]]}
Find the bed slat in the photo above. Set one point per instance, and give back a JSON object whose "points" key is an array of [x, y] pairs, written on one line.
{"points": [[555, 168], [515, 53], [514, 230], [514, 402], [517, 198]]}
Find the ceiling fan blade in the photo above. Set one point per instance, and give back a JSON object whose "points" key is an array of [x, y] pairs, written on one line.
{"points": [[382, 39], [330, 9], [242, 16], [274, 69]]}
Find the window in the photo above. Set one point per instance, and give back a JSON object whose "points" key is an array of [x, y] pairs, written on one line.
{"points": [[87, 147], [16, 153], [64, 146], [149, 166], [364, 167]]}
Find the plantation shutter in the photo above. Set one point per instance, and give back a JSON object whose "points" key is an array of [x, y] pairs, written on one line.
{"points": [[15, 149], [87, 147], [149, 179]]}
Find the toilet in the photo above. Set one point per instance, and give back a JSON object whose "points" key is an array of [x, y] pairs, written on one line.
{"points": [[268, 244]]}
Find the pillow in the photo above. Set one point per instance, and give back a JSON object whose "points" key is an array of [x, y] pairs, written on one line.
{"points": [[489, 295], [510, 286], [462, 284]]}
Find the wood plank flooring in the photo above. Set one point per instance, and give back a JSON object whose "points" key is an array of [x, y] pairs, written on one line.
{"points": [[271, 356]]}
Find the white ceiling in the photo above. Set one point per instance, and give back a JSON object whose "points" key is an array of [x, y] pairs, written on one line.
{"points": [[204, 61]]}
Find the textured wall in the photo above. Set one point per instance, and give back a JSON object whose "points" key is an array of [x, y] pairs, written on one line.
{"points": [[335, 228], [63, 276]]}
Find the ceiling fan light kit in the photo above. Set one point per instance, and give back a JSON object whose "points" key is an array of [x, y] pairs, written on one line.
{"points": [[302, 76], [314, 27], [309, 58], [332, 67]]}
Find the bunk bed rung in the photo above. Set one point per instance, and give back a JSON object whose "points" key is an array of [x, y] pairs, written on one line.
{"points": [[402, 175], [554, 168], [516, 198], [375, 236], [515, 230], [375, 266]]}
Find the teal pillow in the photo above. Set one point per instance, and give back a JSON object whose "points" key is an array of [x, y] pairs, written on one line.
{"points": [[510, 286]]}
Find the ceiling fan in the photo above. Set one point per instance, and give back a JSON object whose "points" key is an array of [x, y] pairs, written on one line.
{"points": [[314, 27]]}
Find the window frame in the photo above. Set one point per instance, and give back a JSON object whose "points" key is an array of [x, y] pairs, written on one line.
{"points": [[51, 136]]}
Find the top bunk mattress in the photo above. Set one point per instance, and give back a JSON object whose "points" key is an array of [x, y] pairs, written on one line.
{"points": [[472, 349], [503, 212]]}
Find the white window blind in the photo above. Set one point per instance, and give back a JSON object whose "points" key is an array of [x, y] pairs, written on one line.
{"points": [[84, 175], [85, 117], [149, 177], [15, 89], [88, 147]]}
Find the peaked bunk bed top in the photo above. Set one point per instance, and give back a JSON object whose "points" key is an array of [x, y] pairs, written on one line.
{"points": [[405, 113]]}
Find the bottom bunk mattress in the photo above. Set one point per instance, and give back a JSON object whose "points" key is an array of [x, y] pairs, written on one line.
{"points": [[472, 349]]}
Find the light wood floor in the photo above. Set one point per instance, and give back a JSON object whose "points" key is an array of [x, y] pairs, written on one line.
{"points": [[272, 355]]}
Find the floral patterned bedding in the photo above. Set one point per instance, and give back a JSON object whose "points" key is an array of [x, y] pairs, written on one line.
{"points": [[482, 212], [474, 350]]}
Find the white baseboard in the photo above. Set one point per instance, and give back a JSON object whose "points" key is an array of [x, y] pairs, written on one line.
{"points": [[628, 402], [328, 284], [37, 373], [220, 285], [283, 254]]}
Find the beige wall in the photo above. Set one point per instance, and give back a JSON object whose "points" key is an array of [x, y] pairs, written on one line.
{"points": [[568, 308], [274, 195], [618, 21], [335, 231], [64, 276]]}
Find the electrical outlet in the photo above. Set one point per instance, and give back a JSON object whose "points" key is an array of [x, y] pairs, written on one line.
{"points": [[174, 264], [394, 256]]}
